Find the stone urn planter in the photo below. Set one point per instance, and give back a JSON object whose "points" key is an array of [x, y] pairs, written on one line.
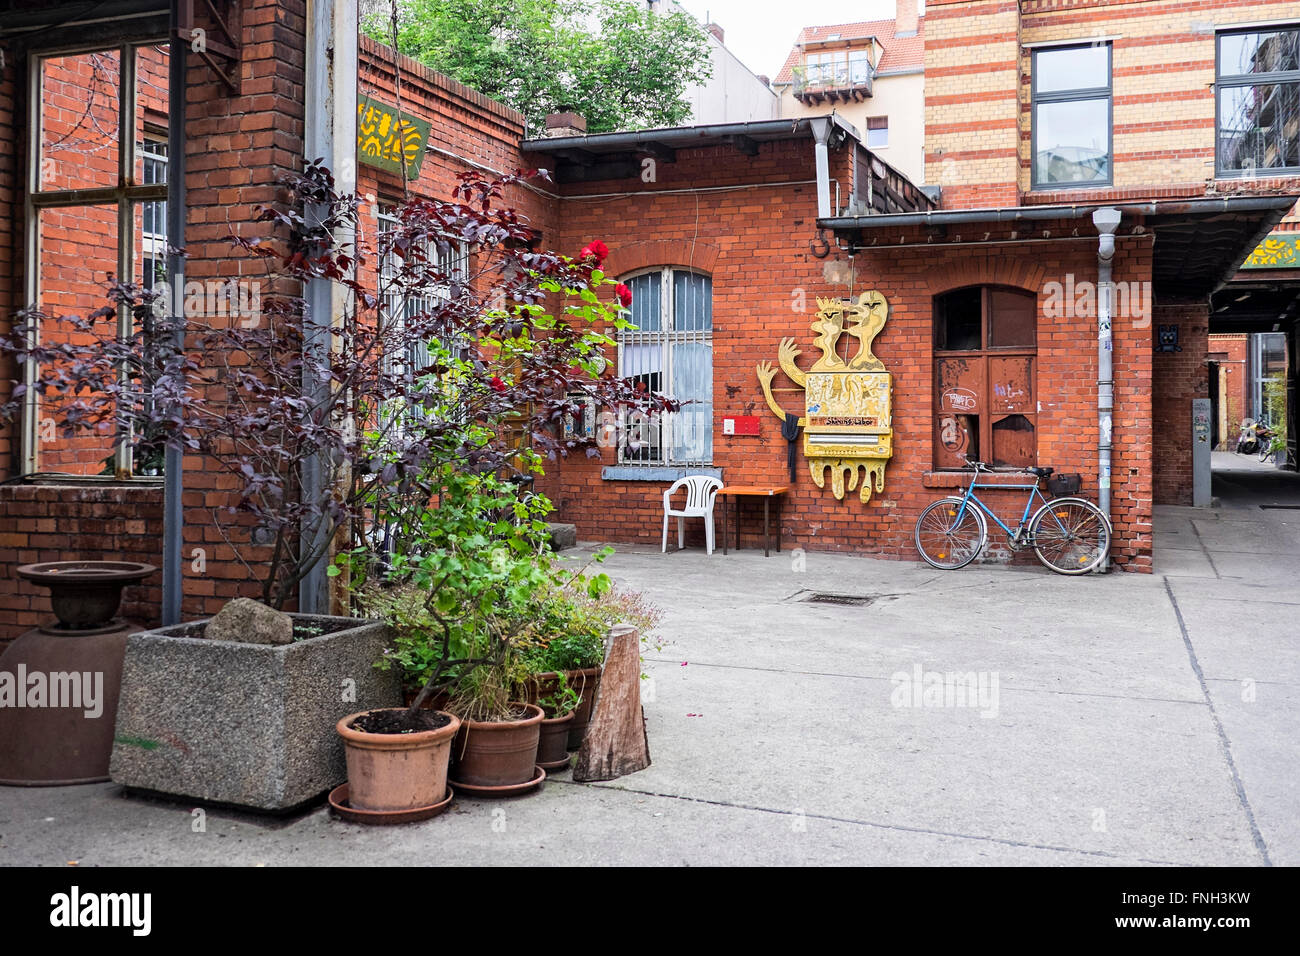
{"points": [[59, 682], [252, 725]]}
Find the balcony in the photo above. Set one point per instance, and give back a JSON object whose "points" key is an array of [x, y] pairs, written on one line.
{"points": [[842, 81]]}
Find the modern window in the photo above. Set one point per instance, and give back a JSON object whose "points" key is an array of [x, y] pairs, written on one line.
{"points": [[1072, 116], [985, 357], [1258, 102], [877, 132], [670, 353]]}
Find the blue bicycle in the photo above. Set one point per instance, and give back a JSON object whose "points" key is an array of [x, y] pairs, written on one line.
{"points": [[1069, 535]]}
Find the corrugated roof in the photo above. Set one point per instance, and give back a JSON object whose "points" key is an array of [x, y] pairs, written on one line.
{"points": [[901, 53]]}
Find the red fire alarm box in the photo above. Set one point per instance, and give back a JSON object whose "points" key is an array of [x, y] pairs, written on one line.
{"points": [[740, 425]]}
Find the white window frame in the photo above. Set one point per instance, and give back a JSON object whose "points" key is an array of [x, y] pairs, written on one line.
{"points": [[153, 245], [661, 427]]}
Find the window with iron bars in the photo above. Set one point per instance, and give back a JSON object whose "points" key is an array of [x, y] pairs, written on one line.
{"points": [[669, 353], [398, 305]]}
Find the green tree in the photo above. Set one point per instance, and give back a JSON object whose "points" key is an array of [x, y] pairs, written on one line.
{"points": [[616, 62]]}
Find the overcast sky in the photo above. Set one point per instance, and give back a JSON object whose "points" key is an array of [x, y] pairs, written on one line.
{"points": [[761, 32]]}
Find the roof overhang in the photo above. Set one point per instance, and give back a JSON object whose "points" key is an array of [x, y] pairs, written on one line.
{"points": [[1199, 243], [615, 155], [37, 24]]}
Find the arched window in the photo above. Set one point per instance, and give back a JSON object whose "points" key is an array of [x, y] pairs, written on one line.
{"points": [[985, 372], [670, 352]]}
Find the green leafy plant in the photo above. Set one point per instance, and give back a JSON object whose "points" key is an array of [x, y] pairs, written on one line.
{"points": [[562, 700]]}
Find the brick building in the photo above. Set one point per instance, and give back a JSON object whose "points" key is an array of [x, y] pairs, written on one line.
{"points": [[1038, 115]]}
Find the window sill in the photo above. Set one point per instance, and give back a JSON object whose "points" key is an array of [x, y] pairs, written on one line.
{"points": [[656, 472]]}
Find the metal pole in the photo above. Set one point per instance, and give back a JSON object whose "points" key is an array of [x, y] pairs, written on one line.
{"points": [[173, 460], [1106, 221], [329, 131]]}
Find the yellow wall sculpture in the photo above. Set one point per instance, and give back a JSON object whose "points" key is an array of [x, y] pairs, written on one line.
{"points": [[846, 400]]}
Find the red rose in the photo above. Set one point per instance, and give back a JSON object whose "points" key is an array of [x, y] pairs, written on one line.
{"points": [[595, 250], [624, 295], [497, 384]]}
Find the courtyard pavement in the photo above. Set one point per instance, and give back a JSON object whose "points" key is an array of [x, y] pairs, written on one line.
{"points": [[1124, 719]]}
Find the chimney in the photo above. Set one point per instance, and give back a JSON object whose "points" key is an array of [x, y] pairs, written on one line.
{"points": [[715, 30], [905, 19], [564, 124]]}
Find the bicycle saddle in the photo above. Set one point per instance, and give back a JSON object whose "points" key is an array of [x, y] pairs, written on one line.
{"points": [[1041, 472]]}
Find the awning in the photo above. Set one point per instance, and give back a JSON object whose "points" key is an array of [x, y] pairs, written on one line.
{"points": [[1199, 243]]}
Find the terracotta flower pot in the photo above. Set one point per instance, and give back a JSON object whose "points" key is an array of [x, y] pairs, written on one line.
{"points": [[397, 772], [586, 682], [553, 744], [499, 753]]}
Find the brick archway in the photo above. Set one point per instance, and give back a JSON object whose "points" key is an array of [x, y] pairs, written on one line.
{"points": [[988, 269], [701, 256]]}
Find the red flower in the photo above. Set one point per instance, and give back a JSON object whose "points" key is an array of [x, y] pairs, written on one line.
{"points": [[497, 384], [624, 295], [595, 250]]}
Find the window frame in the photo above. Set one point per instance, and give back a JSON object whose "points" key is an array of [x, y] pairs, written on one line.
{"points": [[869, 130], [984, 354], [1239, 80], [124, 197], [1037, 98], [667, 335]]}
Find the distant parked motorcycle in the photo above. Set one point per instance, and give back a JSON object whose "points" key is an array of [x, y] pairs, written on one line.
{"points": [[1248, 438]]}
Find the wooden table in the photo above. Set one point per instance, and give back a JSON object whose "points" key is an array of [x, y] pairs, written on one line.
{"points": [[767, 493]]}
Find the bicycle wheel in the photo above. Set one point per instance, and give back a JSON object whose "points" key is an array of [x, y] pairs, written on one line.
{"points": [[945, 541], [1070, 535]]}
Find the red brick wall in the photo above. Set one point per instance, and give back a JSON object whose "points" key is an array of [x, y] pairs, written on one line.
{"points": [[1177, 378], [58, 523], [754, 244], [1234, 374]]}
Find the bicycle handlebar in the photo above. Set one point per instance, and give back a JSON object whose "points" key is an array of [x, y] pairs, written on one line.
{"points": [[980, 466]]}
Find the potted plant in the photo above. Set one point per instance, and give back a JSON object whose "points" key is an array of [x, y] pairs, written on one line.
{"points": [[559, 708], [397, 764]]}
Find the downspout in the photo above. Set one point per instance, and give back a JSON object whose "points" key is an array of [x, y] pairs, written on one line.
{"points": [[1107, 221], [821, 130], [329, 131], [174, 458]]}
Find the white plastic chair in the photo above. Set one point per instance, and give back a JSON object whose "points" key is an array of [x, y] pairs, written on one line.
{"points": [[700, 493]]}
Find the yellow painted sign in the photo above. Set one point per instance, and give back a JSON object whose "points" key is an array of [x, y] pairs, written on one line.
{"points": [[1278, 251], [847, 402], [386, 137]]}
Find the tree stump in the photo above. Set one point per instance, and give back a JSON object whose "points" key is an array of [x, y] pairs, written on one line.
{"points": [[616, 742]]}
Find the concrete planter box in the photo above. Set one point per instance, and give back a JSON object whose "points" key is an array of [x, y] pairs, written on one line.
{"points": [[245, 724]]}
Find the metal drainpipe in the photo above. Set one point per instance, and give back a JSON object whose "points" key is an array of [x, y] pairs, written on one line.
{"points": [[1107, 221], [821, 130], [173, 458]]}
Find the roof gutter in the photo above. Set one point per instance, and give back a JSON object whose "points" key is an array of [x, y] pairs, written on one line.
{"points": [[942, 217], [682, 135]]}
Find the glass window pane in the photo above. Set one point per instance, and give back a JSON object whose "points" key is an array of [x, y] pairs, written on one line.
{"points": [[1270, 52], [1073, 141], [859, 67], [957, 321], [1013, 317], [79, 121], [693, 383], [150, 127], [1075, 68], [646, 309], [1259, 126], [692, 301], [77, 255]]}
